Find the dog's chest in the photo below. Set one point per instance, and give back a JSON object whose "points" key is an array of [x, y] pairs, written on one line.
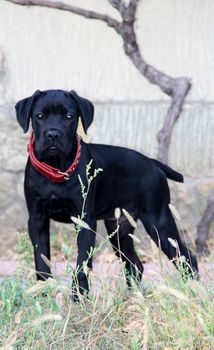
{"points": [[60, 209], [54, 201]]}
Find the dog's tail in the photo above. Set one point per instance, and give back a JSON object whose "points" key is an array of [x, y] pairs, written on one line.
{"points": [[170, 173]]}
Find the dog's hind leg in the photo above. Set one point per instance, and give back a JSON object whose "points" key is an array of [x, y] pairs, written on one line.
{"points": [[124, 249], [161, 227]]}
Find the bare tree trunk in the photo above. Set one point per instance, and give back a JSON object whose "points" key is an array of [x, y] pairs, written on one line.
{"points": [[176, 88], [204, 225]]}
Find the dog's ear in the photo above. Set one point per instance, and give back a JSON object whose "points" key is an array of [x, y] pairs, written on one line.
{"points": [[23, 110], [86, 109]]}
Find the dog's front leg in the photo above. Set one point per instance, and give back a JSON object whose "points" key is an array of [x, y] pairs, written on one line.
{"points": [[38, 226], [85, 244]]}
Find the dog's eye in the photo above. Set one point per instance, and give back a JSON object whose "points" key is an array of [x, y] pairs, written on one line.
{"points": [[40, 116], [69, 116]]}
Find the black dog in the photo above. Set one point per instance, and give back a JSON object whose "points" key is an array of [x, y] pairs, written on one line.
{"points": [[129, 180]]}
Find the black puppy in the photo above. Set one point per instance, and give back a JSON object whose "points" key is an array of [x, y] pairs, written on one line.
{"points": [[129, 180]]}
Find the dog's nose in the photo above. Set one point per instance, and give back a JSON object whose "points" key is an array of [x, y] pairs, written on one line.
{"points": [[53, 134]]}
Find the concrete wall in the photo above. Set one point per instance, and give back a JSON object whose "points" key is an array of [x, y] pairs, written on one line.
{"points": [[41, 48]]}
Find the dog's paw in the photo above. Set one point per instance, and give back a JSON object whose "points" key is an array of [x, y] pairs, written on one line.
{"points": [[79, 296]]}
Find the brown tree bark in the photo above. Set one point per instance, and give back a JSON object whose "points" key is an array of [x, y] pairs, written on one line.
{"points": [[176, 88]]}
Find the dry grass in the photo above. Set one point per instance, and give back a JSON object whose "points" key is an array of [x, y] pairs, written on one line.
{"points": [[166, 313]]}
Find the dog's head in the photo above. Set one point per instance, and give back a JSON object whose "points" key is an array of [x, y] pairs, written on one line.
{"points": [[54, 116]]}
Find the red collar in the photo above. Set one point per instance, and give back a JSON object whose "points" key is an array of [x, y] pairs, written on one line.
{"points": [[53, 174]]}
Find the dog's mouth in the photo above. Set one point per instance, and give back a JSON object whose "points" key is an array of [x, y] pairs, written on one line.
{"points": [[52, 150]]}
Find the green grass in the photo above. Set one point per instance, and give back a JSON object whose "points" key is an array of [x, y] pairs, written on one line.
{"points": [[166, 313]]}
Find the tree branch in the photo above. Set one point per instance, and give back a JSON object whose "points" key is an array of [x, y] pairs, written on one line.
{"points": [[176, 88], [116, 3]]}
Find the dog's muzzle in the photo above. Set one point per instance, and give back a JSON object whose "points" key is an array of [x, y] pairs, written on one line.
{"points": [[53, 174]]}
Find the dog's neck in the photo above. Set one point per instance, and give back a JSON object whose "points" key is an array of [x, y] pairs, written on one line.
{"points": [[61, 161]]}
